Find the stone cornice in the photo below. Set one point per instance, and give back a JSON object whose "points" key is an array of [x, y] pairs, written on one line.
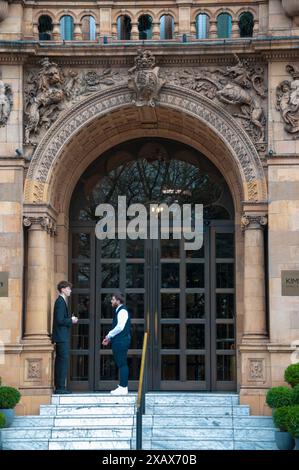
{"points": [[176, 53]]}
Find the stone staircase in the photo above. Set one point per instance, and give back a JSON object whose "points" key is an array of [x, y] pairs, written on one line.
{"points": [[172, 421]]}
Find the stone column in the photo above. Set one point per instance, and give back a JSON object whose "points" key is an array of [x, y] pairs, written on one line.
{"points": [[254, 278], [56, 32], [134, 32], [235, 29], [213, 32], [77, 32], [40, 229], [156, 31]]}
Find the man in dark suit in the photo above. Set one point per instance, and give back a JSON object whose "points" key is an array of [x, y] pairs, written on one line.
{"points": [[62, 323]]}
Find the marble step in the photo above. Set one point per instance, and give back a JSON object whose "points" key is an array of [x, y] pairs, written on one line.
{"points": [[62, 433], [25, 444], [191, 399], [224, 444], [255, 445], [93, 399], [33, 421], [88, 444], [58, 410], [199, 410], [189, 444]]}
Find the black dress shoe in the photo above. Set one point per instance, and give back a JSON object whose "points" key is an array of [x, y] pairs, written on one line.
{"points": [[61, 392]]}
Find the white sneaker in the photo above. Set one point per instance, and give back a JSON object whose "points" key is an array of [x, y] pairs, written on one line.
{"points": [[120, 391]]}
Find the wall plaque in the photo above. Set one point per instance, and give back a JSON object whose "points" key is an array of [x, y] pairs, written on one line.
{"points": [[3, 284], [290, 283]]}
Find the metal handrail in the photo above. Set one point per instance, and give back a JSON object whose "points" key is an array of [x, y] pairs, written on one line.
{"points": [[140, 406]]}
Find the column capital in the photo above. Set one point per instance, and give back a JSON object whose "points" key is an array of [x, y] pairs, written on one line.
{"points": [[253, 221], [43, 222]]}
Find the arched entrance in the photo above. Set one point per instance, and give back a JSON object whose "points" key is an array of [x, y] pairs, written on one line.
{"points": [[109, 118], [185, 299]]}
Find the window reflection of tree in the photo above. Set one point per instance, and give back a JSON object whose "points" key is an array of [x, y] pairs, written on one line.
{"points": [[143, 182]]}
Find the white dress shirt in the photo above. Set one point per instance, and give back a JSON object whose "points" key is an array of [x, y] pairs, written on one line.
{"points": [[122, 317]]}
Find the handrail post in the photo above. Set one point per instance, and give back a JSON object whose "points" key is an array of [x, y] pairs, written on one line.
{"points": [[140, 407]]}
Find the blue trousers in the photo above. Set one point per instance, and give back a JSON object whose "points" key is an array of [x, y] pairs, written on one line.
{"points": [[120, 354]]}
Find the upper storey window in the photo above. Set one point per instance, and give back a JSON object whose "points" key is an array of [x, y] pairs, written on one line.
{"points": [[88, 28], [166, 27], [124, 27], [145, 27], [224, 25], [67, 28], [45, 28], [246, 23], [202, 26]]}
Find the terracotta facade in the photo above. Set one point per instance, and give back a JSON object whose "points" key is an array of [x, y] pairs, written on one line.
{"points": [[69, 101]]}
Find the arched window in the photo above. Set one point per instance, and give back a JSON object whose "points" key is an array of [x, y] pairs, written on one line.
{"points": [[166, 27], [202, 26], [124, 27], [246, 23], [88, 28], [145, 27], [45, 28], [67, 28], [224, 25]]}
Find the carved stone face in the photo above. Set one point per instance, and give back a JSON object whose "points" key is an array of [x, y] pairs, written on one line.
{"points": [[53, 75]]}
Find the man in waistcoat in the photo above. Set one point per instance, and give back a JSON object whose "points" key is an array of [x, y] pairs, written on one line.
{"points": [[120, 338]]}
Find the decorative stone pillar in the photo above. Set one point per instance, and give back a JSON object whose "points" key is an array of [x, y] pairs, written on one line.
{"points": [[77, 32], [114, 30], [235, 29], [254, 278], [156, 31], [56, 32], [40, 229], [193, 29], [256, 27], [35, 31], [213, 33], [134, 32]]}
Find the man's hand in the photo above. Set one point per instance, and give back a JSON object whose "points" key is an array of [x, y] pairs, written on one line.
{"points": [[74, 320], [106, 341]]}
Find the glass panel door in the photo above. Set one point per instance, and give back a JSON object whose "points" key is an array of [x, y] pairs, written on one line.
{"points": [[223, 363]]}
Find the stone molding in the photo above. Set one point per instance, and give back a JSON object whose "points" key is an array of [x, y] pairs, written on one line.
{"points": [[251, 221], [47, 152], [44, 222]]}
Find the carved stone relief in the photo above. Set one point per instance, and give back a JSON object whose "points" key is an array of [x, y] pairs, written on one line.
{"points": [[256, 370], [240, 89], [6, 102], [287, 101], [33, 369], [50, 90], [144, 79]]}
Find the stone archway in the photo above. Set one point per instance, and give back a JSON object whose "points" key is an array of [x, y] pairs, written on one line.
{"points": [[110, 117], [187, 113]]}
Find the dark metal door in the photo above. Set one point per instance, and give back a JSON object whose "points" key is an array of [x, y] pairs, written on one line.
{"points": [[185, 299]]}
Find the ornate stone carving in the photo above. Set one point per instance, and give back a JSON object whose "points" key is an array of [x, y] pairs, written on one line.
{"points": [[3, 10], [6, 102], [241, 88], [34, 369], [287, 101], [51, 90], [97, 105], [253, 221], [291, 8], [144, 80], [45, 222], [256, 369]]}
